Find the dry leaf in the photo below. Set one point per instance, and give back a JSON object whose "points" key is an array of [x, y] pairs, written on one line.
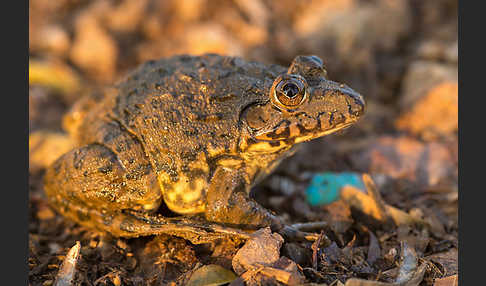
{"points": [[447, 281], [263, 248], [211, 275]]}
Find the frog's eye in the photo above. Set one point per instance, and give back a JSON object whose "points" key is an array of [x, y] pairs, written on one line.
{"points": [[289, 91]]}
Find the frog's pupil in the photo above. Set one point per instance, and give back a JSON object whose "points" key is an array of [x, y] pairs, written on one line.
{"points": [[290, 90]]}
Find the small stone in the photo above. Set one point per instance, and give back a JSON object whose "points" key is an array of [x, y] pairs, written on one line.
{"points": [[421, 77], [434, 114], [55, 39], [94, 50]]}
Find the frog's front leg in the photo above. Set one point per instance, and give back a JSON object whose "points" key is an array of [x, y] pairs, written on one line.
{"points": [[228, 202]]}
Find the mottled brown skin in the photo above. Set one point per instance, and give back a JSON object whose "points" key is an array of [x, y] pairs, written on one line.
{"points": [[196, 132]]}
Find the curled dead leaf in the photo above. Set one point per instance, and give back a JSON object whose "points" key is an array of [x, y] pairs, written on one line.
{"points": [[211, 275]]}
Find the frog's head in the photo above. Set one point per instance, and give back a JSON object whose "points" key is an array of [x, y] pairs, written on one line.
{"points": [[302, 105]]}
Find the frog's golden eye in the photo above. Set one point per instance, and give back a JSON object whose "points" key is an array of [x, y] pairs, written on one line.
{"points": [[289, 91]]}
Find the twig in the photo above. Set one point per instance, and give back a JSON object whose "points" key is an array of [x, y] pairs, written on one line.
{"points": [[66, 273], [310, 226], [315, 248]]}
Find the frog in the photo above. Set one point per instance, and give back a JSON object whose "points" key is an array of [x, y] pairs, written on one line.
{"points": [[192, 134]]}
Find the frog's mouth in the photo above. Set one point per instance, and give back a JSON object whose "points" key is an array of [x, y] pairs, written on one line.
{"points": [[293, 132], [311, 136]]}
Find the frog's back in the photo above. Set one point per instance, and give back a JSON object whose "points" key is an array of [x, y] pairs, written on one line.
{"points": [[186, 103], [185, 111]]}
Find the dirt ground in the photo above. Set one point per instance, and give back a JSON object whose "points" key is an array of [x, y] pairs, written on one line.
{"points": [[401, 55]]}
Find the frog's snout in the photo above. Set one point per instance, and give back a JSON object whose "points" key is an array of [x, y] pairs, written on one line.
{"points": [[355, 101], [357, 105]]}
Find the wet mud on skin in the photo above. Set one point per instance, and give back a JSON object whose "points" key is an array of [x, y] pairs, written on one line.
{"points": [[405, 70]]}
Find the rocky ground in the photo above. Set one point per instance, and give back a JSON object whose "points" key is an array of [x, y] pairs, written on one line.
{"points": [[401, 55]]}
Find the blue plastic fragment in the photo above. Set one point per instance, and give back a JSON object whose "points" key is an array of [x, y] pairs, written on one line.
{"points": [[325, 187]]}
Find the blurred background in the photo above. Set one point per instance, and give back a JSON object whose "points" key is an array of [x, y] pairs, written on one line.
{"points": [[401, 55], [382, 48]]}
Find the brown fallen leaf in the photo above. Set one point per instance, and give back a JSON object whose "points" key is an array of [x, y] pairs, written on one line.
{"points": [[260, 273], [402, 218], [367, 202], [448, 260], [259, 261], [447, 281], [263, 248], [374, 251], [370, 203]]}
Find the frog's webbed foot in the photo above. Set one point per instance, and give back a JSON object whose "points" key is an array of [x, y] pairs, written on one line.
{"points": [[195, 229], [294, 234]]}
